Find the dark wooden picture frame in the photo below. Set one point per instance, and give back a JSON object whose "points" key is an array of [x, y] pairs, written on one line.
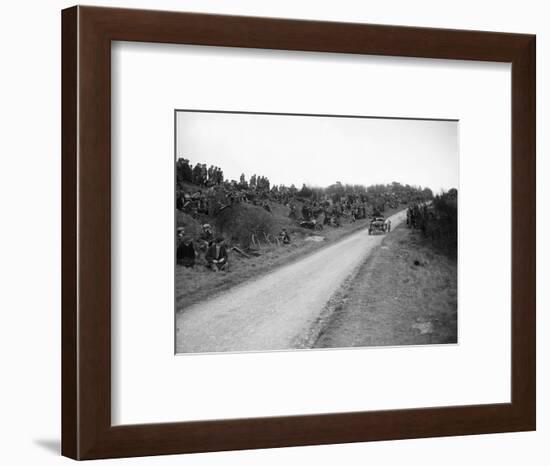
{"points": [[87, 33]]}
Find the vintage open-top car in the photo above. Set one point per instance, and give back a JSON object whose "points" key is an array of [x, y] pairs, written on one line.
{"points": [[377, 224]]}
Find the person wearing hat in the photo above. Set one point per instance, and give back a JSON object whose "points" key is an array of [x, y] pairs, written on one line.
{"points": [[284, 236], [207, 234], [216, 255], [185, 254], [181, 232]]}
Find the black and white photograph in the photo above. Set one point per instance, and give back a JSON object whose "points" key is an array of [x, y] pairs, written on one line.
{"points": [[251, 233], [297, 231]]}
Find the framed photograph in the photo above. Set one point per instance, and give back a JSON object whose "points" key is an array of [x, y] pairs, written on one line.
{"points": [[284, 232], [313, 264]]}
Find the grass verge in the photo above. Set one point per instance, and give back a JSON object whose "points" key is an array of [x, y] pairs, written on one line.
{"points": [[404, 294]]}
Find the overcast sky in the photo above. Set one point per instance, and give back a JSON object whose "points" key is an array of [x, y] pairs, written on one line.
{"points": [[319, 151]]}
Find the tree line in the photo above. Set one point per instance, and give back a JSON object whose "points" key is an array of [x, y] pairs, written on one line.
{"points": [[437, 221]]}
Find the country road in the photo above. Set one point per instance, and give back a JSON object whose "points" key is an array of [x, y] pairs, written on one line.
{"points": [[272, 311]]}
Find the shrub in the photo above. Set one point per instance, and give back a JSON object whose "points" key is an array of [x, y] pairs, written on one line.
{"points": [[239, 222], [446, 235], [192, 226], [442, 227]]}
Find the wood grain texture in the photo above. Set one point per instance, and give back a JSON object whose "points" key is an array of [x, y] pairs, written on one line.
{"points": [[69, 131], [86, 176]]}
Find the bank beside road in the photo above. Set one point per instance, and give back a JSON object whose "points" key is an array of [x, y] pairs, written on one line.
{"points": [[405, 293]]}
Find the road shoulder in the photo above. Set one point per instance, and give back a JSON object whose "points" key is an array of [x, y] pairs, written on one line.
{"points": [[405, 293]]}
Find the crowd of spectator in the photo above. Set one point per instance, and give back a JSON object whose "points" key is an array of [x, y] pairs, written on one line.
{"points": [[202, 192]]}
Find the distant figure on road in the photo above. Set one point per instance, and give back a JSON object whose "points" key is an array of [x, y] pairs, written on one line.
{"points": [[388, 225], [216, 255]]}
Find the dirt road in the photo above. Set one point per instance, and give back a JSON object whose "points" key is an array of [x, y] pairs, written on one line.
{"points": [[273, 311]]}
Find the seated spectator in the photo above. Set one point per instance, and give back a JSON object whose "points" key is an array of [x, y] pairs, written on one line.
{"points": [[284, 236], [216, 255], [186, 254]]}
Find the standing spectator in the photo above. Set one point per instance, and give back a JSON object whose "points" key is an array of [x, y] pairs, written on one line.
{"points": [[197, 174]]}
